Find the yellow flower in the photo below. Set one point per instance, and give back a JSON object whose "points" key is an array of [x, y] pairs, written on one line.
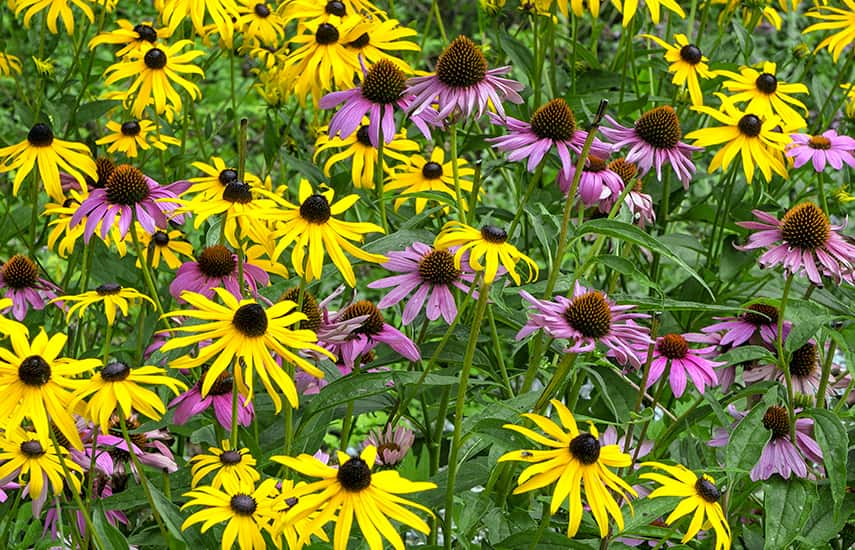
{"points": [[217, 176], [174, 12], [8, 326], [56, 9], [765, 94], [44, 67], [24, 453], [231, 466], [164, 244], [312, 12], [489, 244], [573, 458], [129, 135], [375, 37], [687, 64], [260, 22], [833, 18], [430, 176], [629, 7], [131, 37], [112, 295], [9, 64]]}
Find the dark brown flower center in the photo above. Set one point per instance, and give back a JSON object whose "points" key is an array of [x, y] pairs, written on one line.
{"points": [[155, 59], [336, 8], [227, 176], [750, 125], [354, 475], [32, 448], [360, 42], [493, 234], [384, 83], [221, 386], [585, 448], [326, 34], [777, 421], [250, 320], [819, 142], [230, 458], [131, 128], [673, 346], [707, 490], [104, 167], [126, 185], [766, 83], [589, 314], [237, 192], [386, 451], [691, 54], [160, 238], [315, 209], [761, 314], [659, 127], [243, 505], [432, 170], [806, 227], [309, 308], [40, 135], [437, 267], [626, 170], [554, 121], [461, 64], [595, 164], [804, 360], [34, 371], [146, 33], [261, 10], [363, 137], [216, 261], [115, 372], [373, 324], [19, 272], [108, 289]]}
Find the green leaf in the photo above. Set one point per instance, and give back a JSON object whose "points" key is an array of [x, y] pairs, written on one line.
{"points": [[825, 522], [747, 440], [786, 508], [398, 240], [803, 331], [743, 354], [830, 433], [519, 53], [94, 110], [107, 533], [646, 510], [627, 269], [169, 513]]}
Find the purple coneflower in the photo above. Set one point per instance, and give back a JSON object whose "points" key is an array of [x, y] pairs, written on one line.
{"points": [[803, 237], [392, 444], [552, 125], [655, 140], [639, 204], [804, 370], [825, 148], [759, 323], [596, 184], [589, 317], [216, 267], [685, 362], [127, 193], [426, 274], [780, 456], [147, 446], [191, 403], [462, 81], [20, 277]]}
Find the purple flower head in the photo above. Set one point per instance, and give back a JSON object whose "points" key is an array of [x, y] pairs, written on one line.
{"points": [[757, 326], [655, 140], [827, 148], [191, 403], [19, 276], [804, 367], [425, 275], [802, 241], [149, 448], [216, 266], [597, 183], [780, 456], [587, 318], [392, 444], [127, 193], [640, 204], [462, 82], [552, 125], [685, 362]]}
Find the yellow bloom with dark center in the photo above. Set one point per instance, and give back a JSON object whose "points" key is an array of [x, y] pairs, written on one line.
{"points": [[354, 490], [488, 244], [700, 495], [260, 22], [111, 295], [248, 510], [837, 19], [36, 384], [153, 70], [165, 244], [221, 12], [687, 64], [293, 531], [127, 137], [244, 334], [130, 37], [314, 12], [629, 7], [55, 10], [37, 463], [765, 94], [430, 176], [217, 175], [117, 386], [9, 64], [50, 154], [312, 228], [747, 135], [230, 466], [573, 458], [376, 37]]}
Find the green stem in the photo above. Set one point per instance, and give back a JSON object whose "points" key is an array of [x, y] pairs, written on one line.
{"points": [[347, 424], [379, 176], [439, 24], [824, 376], [440, 428], [458, 193], [533, 180], [656, 397], [509, 392], [147, 273], [234, 432], [782, 359], [820, 189], [34, 214], [840, 77], [558, 378]]}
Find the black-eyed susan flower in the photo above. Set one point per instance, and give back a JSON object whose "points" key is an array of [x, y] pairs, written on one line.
{"points": [[221, 12], [36, 384], [700, 495], [153, 69], [490, 245], [766, 95], [435, 175], [112, 295], [9, 64], [573, 458], [244, 333], [118, 387], [745, 134], [130, 136], [833, 18], [229, 466], [354, 490], [56, 9], [166, 244], [50, 154], [312, 228], [248, 510], [687, 64], [379, 37], [629, 7], [314, 12], [260, 22], [293, 531], [217, 175], [130, 37]]}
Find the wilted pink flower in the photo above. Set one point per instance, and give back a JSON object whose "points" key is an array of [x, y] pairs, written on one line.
{"points": [[392, 444]]}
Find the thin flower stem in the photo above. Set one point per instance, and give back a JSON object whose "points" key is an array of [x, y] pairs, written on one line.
{"points": [[346, 424], [782, 360], [558, 377], [440, 428], [475, 329], [509, 392], [438, 17], [820, 189], [842, 76], [545, 519], [234, 431], [533, 180], [107, 338], [147, 274], [34, 217], [642, 387], [656, 398], [90, 485], [458, 193], [824, 376], [10, 514], [379, 176]]}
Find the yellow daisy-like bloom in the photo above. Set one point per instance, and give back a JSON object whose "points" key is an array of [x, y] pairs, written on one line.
{"points": [[376, 37], [747, 135], [37, 463], [311, 226], [174, 12], [629, 7], [573, 458], [35, 383], [153, 69], [9, 64], [354, 490], [118, 386], [167, 245], [217, 175], [765, 94], [127, 137], [111, 294], [245, 333], [260, 22], [363, 156], [700, 495], [293, 530], [230, 466], [131, 37], [56, 9], [687, 64], [432, 175], [489, 244], [247, 509], [9, 326], [833, 18], [50, 154], [314, 12]]}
